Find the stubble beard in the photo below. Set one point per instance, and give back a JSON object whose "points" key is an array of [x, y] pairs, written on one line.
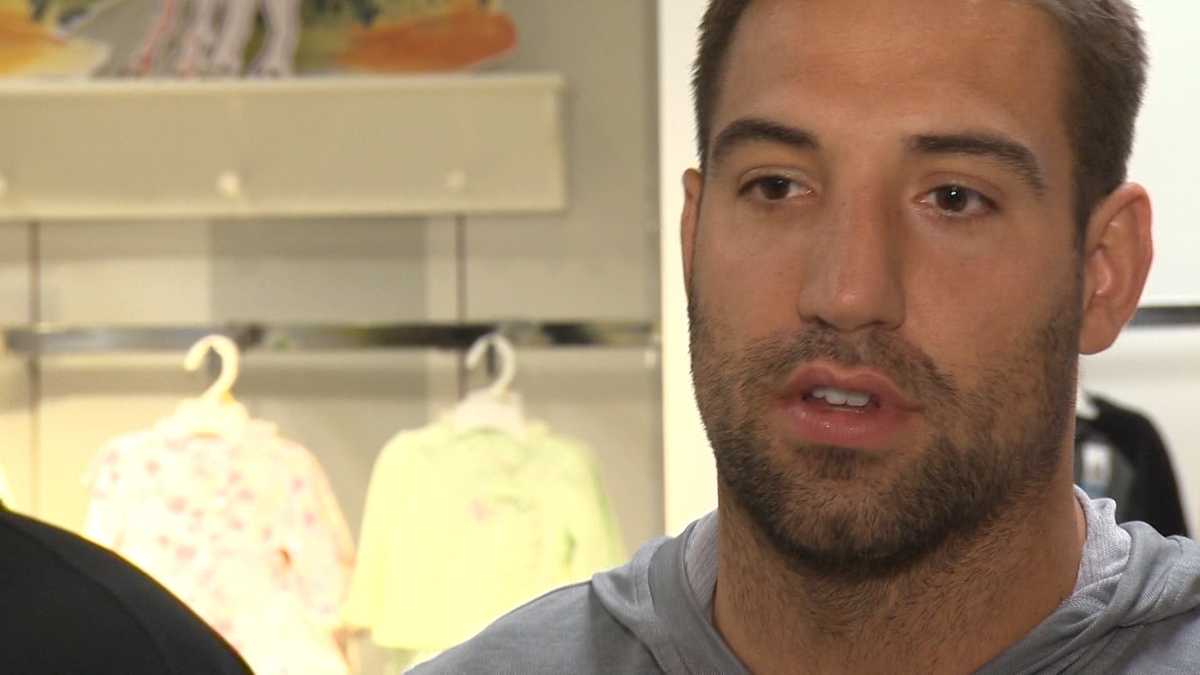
{"points": [[824, 509]]}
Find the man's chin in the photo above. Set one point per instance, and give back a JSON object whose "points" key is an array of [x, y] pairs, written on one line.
{"points": [[835, 470], [849, 536], [843, 513]]}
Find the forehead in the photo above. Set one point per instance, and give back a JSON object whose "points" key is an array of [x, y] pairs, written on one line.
{"points": [[910, 67]]}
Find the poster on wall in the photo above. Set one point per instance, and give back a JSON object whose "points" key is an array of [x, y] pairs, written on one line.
{"points": [[406, 36], [31, 44], [249, 38]]}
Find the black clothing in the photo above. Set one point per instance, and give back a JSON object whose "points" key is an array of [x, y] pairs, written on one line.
{"points": [[1119, 454], [69, 607]]}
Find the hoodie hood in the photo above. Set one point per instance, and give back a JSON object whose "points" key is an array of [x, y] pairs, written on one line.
{"points": [[1136, 592], [1130, 577], [652, 597]]}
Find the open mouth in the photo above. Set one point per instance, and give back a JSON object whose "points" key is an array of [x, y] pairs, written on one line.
{"points": [[860, 409], [845, 399]]}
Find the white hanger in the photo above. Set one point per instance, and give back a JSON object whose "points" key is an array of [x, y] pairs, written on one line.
{"points": [[494, 406], [215, 412], [505, 352], [231, 360]]}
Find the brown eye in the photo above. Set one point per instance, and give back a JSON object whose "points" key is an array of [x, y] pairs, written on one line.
{"points": [[773, 188], [959, 201], [952, 198]]}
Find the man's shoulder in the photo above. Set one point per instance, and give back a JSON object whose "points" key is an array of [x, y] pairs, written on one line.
{"points": [[1169, 645], [61, 590], [568, 630], [1157, 626]]}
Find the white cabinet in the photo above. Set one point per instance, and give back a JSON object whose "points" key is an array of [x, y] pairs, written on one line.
{"points": [[304, 147]]}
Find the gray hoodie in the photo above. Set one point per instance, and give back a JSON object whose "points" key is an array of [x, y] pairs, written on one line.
{"points": [[1133, 610]]}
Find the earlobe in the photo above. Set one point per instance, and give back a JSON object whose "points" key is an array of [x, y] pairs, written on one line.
{"points": [[1116, 261], [693, 186]]}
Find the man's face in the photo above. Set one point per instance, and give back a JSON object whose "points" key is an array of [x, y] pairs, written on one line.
{"points": [[882, 276]]}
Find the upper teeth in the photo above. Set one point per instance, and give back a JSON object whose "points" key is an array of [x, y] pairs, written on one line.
{"points": [[836, 396]]}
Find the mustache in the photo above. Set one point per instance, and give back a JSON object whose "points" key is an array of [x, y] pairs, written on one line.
{"points": [[772, 360]]}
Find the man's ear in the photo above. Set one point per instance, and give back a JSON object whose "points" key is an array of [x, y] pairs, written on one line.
{"points": [[689, 220], [1116, 262]]}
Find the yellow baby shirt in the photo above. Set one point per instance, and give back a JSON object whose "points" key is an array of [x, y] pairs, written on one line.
{"points": [[462, 526]]}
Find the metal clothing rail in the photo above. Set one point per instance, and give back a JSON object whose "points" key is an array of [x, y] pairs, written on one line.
{"points": [[1162, 316], [53, 339], [56, 339]]}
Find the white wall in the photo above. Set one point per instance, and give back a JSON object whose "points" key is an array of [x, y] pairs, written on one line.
{"points": [[1156, 371], [689, 475], [1167, 146]]}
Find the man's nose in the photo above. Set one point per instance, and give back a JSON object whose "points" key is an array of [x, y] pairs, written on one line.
{"points": [[854, 269]]}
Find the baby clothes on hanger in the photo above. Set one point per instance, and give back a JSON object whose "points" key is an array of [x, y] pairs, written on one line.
{"points": [[242, 526], [465, 524]]}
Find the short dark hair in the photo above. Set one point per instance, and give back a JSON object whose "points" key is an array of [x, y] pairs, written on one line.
{"points": [[1107, 51]]}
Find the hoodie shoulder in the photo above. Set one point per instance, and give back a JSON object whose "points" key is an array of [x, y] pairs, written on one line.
{"points": [[1160, 630], [1150, 621], [568, 630], [1167, 647]]}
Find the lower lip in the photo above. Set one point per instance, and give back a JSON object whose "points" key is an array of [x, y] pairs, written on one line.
{"points": [[874, 427]]}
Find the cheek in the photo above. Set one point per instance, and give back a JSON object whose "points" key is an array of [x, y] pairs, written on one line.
{"points": [[978, 314], [747, 280], [751, 293]]}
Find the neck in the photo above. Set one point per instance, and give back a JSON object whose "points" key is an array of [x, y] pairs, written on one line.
{"points": [[952, 612]]}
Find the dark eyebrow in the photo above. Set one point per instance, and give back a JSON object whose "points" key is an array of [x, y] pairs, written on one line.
{"points": [[999, 148], [749, 129]]}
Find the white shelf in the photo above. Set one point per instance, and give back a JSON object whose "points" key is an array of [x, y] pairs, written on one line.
{"points": [[304, 147]]}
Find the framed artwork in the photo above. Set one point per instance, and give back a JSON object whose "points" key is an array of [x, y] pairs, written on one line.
{"points": [[256, 38]]}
